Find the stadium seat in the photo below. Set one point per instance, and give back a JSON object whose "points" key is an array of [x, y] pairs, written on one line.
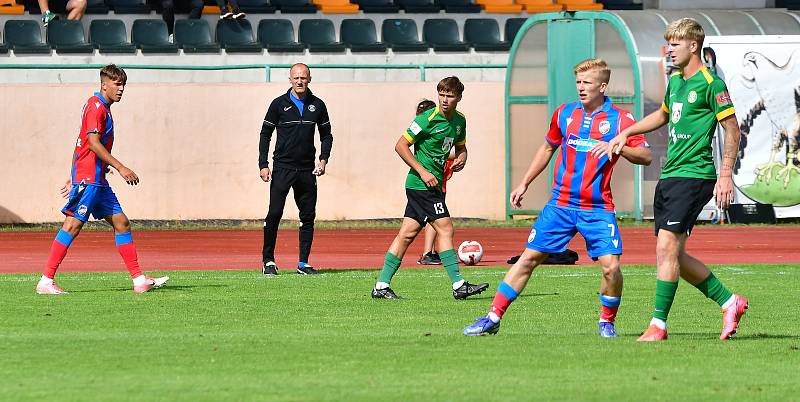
{"points": [[151, 36], [3, 47], [512, 27], [66, 36], [96, 7], [580, 5], [295, 6], [256, 6], [377, 6], [442, 35], [110, 36], [540, 6], [336, 6], [129, 6], [419, 6], [628, 5], [500, 6], [10, 7], [319, 35], [194, 36], [401, 35], [460, 6], [277, 35], [360, 36], [483, 34], [25, 37], [236, 36]]}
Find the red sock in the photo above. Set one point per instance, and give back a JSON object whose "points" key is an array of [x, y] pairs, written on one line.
{"points": [[57, 253], [500, 304], [608, 313], [128, 253]]}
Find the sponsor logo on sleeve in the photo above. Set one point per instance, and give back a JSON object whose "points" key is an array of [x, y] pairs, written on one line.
{"points": [[723, 99], [415, 128]]}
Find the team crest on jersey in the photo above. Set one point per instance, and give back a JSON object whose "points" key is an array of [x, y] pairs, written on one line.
{"points": [[676, 112], [312, 108], [458, 130], [532, 235], [604, 127], [580, 144], [692, 96], [82, 210]]}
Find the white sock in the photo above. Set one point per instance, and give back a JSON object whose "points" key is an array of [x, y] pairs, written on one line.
{"points": [[139, 280], [661, 324], [729, 302], [458, 284], [45, 280], [381, 285], [492, 316]]}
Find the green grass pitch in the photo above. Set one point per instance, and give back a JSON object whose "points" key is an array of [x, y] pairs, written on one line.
{"points": [[233, 335]]}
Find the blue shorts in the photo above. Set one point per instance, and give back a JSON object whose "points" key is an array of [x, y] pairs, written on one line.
{"points": [[99, 201], [556, 226]]}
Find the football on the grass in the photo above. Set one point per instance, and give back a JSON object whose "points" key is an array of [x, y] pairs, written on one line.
{"points": [[470, 252]]}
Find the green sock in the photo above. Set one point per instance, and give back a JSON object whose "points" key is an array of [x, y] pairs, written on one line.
{"points": [[390, 265], [665, 294], [450, 262], [714, 289]]}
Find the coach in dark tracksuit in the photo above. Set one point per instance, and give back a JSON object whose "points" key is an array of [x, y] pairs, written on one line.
{"points": [[294, 114]]}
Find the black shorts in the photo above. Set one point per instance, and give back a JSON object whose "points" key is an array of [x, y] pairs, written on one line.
{"points": [[425, 206], [678, 202]]}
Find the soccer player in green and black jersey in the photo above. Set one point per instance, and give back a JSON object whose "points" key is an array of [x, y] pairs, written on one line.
{"points": [[432, 133], [696, 99]]}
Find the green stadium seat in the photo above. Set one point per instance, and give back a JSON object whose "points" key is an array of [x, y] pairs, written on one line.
{"points": [[256, 6], [483, 34], [96, 7], [151, 36], [442, 34], [66, 36], [419, 6], [194, 36], [236, 36], [295, 6], [459, 6], [110, 36], [512, 27], [360, 36], [401, 35], [25, 37], [319, 35], [377, 6], [277, 35]]}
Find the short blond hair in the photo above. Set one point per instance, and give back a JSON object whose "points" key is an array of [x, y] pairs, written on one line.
{"points": [[685, 29], [598, 65]]}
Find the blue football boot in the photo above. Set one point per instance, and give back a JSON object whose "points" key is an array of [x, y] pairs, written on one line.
{"points": [[607, 330], [483, 326]]}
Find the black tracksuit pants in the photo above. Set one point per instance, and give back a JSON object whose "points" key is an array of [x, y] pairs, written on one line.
{"points": [[304, 185]]}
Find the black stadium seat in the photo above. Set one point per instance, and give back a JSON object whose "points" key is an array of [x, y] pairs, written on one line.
{"points": [[360, 36], [129, 6], [401, 35], [66, 36], [3, 47], [151, 36], [25, 37], [277, 35], [319, 35], [377, 6], [483, 34], [110, 36], [512, 27], [419, 6], [442, 35], [295, 6], [236, 36], [256, 6], [459, 6], [96, 7], [194, 36]]}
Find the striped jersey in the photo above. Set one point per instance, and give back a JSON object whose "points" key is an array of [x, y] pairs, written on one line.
{"points": [[580, 180], [87, 167]]}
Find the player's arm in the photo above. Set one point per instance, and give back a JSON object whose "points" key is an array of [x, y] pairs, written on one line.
{"points": [[97, 147], [637, 155], [403, 148], [537, 166], [265, 137], [460, 159], [326, 141], [723, 190], [650, 123]]}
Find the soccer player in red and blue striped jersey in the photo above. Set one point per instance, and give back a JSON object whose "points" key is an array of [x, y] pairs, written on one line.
{"points": [[88, 190], [581, 199]]}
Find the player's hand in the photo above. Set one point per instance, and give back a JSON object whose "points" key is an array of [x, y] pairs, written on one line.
{"points": [[723, 192], [129, 176], [459, 163], [265, 175], [429, 179], [517, 195], [320, 169], [66, 188], [599, 149], [615, 145]]}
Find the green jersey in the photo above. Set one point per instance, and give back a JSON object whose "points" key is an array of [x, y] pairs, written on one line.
{"points": [[694, 107], [433, 135]]}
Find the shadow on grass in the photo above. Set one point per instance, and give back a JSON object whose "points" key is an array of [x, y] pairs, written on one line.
{"points": [[715, 336], [167, 288]]}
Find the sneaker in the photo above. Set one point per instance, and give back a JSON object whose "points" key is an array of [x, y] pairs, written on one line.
{"points": [[429, 259], [239, 15], [731, 317], [468, 289], [385, 293], [226, 16], [150, 283], [270, 269], [607, 330], [49, 289], [653, 334], [48, 16], [483, 326], [306, 270]]}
